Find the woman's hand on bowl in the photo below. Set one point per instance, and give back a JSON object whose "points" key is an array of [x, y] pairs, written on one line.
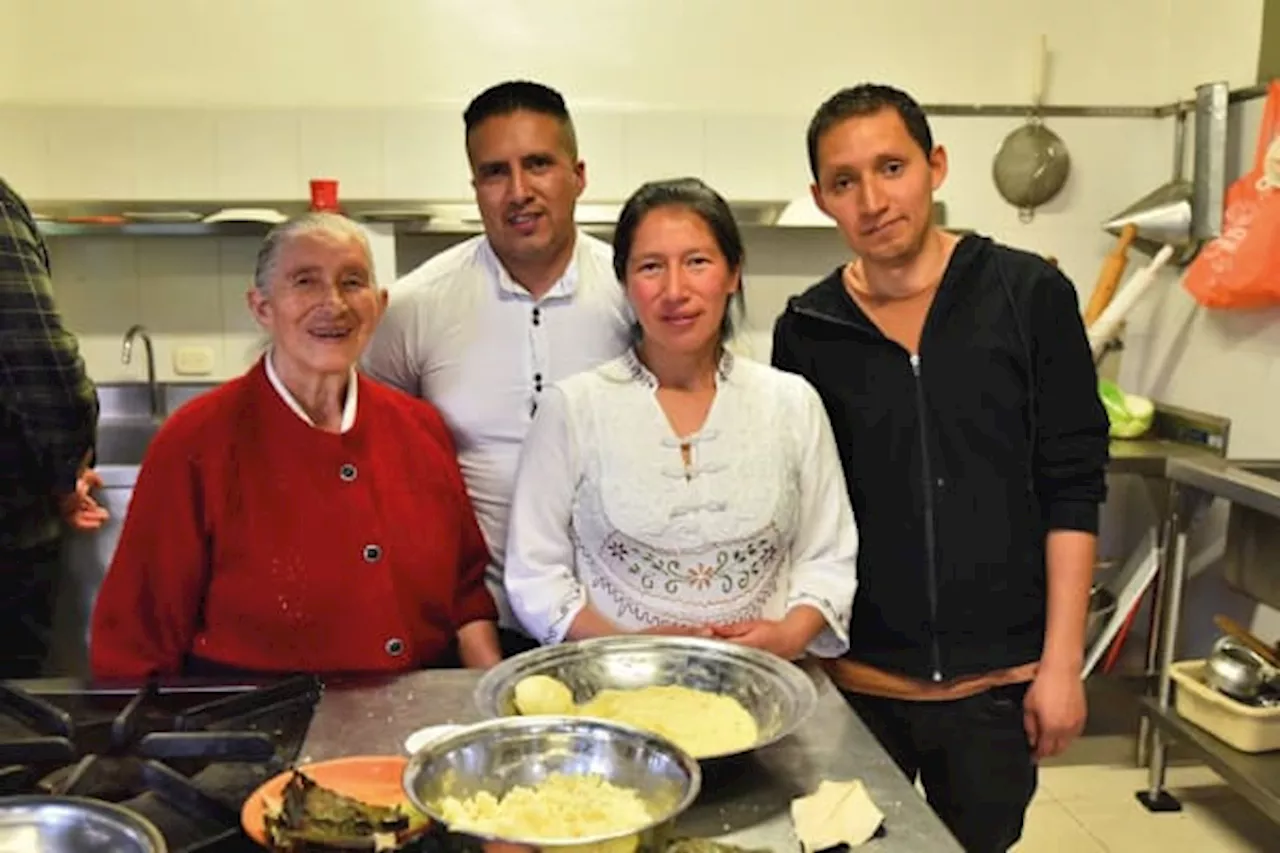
{"points": [[680, 631], [768, 635]]}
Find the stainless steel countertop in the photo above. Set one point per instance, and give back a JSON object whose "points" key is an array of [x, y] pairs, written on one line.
{"points": [[1150, 457], [744, 801], [1232, 480]]}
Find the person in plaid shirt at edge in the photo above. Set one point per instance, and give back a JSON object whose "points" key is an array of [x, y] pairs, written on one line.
{"points": [[48, 415]]}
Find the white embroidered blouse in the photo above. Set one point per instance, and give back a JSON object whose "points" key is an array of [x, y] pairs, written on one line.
{"points": [[605, 512]]}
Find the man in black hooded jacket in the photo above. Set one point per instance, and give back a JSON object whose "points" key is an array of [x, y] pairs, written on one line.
{"points": [[963, 397]]}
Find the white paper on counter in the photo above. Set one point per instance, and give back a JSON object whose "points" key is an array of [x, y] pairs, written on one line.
{"points": [[836, 813]]}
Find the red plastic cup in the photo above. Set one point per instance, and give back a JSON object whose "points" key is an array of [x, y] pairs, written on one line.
{"points": [[324, 194]]}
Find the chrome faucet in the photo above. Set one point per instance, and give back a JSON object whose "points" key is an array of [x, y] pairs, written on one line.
{"points": [[126, 355]]}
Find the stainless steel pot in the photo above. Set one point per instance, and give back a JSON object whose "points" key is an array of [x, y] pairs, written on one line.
{"points": [[501, 754], [1236, 670], [47, 824]]}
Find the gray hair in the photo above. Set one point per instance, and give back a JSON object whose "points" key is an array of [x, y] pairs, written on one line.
{"points": [[316, 222]]}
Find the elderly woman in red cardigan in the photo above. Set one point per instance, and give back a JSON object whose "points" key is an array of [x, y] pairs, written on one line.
{"points": [[299, 518]]}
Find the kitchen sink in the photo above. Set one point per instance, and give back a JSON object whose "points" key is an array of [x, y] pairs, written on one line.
{"points": [[126, 423], [124, 441]]}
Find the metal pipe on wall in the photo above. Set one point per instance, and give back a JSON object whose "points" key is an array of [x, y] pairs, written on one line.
{"points": [[1236, 96]]}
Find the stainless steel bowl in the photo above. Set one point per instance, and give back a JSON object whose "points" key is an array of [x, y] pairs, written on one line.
{"points": [[1236, 670], [74, 825], [498, 755], [777, 693]]}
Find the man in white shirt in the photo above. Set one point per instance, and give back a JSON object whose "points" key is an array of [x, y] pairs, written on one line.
{"points": [[483, 328]]}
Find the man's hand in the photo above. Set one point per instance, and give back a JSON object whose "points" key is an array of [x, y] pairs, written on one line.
{"points": [[79, 509], [1054, 710]]}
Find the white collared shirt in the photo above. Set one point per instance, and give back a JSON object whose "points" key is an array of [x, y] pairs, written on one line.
{"points": [[348, 407], [461, 333], [607, 514]]}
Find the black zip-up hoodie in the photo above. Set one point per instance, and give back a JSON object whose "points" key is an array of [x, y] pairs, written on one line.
{"points": [[959, 461]]}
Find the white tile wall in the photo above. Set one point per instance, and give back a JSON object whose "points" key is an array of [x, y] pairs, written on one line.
{"points": [[345, 144], [757, 157], [24, 150], [181, 303], [241, 336], [602, 144], [175, 154], [661, 144], [259, 156], [90, 153], [424, 155]]}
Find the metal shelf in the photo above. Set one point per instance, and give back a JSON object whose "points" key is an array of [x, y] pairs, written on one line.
{"points": [[154, 229], [1256, 777], [407, 218]]}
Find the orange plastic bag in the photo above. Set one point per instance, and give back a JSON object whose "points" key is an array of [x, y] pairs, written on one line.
{"points": [[1241, 268]]}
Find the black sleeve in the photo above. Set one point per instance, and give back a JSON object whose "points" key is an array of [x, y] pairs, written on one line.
{"points": [[783, 356], [1071, 452]]}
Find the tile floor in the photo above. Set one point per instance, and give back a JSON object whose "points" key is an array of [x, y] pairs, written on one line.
{"points": [[1085, 802], [1090, 808]]}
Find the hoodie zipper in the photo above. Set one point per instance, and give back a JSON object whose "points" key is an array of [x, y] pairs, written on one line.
{"points": [[930, 534]]}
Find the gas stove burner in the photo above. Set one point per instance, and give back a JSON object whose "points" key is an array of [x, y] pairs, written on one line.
{"points": [[170, 754], [112, 779]]}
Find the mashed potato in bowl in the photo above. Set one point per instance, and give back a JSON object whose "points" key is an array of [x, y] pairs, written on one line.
{"points": [[560, 807], [699, 722]]}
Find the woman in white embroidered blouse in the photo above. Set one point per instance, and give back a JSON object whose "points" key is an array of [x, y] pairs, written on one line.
{"points": [[677, 489]]}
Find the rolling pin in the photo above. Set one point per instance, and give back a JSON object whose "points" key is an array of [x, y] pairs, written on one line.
{"points": [[1108, 323], [1234, 629], [1109, 276]]}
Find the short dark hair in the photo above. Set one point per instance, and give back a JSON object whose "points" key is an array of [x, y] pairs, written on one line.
{"points": [[516, 95], [699, 199], [863, 100]]}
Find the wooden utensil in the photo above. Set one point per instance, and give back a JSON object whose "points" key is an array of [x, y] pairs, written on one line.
{"points": [[1109, 276], [1232, 628]]}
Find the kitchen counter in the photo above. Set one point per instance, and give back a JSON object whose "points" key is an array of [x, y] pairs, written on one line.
{"points": [[744, 801], [1150, 457], [1251, 484]]}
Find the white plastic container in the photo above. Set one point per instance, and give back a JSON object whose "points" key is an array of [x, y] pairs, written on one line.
{"points": [[1243, 727]]}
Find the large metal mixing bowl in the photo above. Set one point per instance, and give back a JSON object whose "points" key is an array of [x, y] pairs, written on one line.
{"points": [[777, 693], [498, 755], [74, 825]]}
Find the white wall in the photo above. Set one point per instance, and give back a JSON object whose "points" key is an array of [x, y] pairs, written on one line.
{"points": [[767, 55]]}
